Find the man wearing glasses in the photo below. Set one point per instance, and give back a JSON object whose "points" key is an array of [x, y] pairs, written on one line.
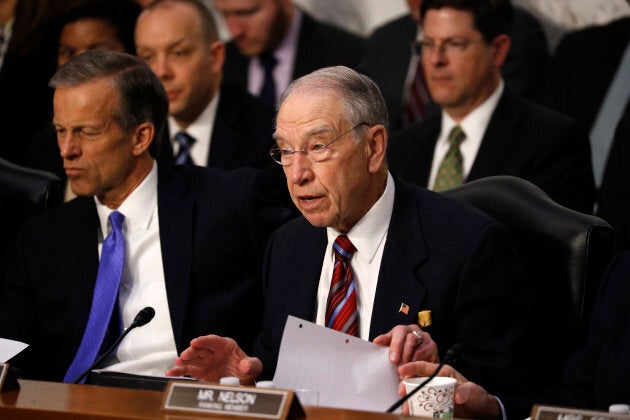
{"points": [[484, 129], [403, 252]]}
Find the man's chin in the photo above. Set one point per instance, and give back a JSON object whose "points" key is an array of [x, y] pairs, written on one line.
{"points": [[249, 50]]}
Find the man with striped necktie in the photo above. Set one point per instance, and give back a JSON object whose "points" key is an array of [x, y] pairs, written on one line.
{"points": [[373, 256]]}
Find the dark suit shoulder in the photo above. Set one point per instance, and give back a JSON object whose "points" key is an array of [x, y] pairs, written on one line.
{"points": [[253, 111], [410, 151], [236, 65], [322, 45], [331, 33], [396, 28], [594, 36], [541, 114], [64, 217], [204, 179], [579, 87]]}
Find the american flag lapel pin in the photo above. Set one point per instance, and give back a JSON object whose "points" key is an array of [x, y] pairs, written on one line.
{"points": [[404, 308]]}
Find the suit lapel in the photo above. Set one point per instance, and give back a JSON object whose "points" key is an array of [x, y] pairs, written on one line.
{"points": [[82, 265], [497, 140], [166, 156], [413, 150], [176, 213], [399, 281], [236, 65], [223, 140], [305, 276]]}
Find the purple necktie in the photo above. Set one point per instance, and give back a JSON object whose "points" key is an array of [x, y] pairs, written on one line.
{"points": [[104, 299]]}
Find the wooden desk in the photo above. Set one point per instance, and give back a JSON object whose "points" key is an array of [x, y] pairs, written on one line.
{"points": [[52, 400]]}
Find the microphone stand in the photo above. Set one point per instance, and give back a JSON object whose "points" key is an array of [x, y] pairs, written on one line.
{"points": [[143, 317]]}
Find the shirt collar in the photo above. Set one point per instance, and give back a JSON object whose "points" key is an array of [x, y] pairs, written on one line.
{"points": [[371, 229], [201, 128], [137, 208], [475, 123]]}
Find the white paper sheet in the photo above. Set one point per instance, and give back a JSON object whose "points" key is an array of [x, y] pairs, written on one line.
{"points": [[346, 371], [9, 348]]}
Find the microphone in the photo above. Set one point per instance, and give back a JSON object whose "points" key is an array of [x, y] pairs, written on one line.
{"points": [[142, 318], [450, 356]]}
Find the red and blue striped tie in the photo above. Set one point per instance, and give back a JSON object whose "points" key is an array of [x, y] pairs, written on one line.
{"points": [[341, 308]]}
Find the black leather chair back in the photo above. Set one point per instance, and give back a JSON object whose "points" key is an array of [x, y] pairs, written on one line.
{"points": [[24, 192], [564, 254]]}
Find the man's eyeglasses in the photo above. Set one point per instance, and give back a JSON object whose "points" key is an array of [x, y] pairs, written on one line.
{"points": [[450, 46], [315, 151]]}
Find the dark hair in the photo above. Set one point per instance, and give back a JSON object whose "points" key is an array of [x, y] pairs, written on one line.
{"points": [[142, 96], [120, 14], [491, 17]]}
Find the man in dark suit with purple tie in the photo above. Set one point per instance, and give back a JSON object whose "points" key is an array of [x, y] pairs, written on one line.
{"points": [[194, 237]]}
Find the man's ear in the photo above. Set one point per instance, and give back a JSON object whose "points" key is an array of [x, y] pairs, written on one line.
{"points": [[217, 50], [501, 46], [143, 136], [376, 147]]}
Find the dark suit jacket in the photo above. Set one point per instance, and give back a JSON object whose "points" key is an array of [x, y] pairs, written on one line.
{"points": [[523, 139], [319, 45], [614, 196], [584, 65], [440, 255], [597, 374], [213, 229], [388, 52]]}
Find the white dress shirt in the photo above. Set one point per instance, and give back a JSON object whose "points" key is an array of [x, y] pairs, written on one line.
{"points": [[150, 349], [200, 130], [474, 126], [368, 236]]}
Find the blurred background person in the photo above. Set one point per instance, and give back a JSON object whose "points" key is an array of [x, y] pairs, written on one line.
{"points": [[84, 26], [484, 128], [614, 194], [274, 42], [211, 122], [393, 60], [591, 82], [28, 48]]}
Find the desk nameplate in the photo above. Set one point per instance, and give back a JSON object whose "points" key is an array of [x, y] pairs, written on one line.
{"points": [[241, 401], [542, 412]]}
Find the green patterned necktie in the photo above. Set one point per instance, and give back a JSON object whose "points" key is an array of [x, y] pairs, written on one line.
{"points": [[451, 171]]}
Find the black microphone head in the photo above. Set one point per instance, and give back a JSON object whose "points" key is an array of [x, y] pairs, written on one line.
{"points": [[144, 316], [453, 353]]}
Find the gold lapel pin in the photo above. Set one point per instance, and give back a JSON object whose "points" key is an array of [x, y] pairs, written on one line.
{"points": [[424, 318]]}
